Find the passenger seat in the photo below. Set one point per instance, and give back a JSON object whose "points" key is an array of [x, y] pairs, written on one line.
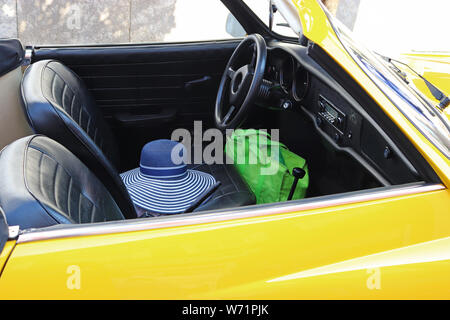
{"points": [[44, 184]]}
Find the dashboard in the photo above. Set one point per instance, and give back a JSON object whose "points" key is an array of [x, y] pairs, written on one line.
{"points": [[292, 78], [338, 119]]}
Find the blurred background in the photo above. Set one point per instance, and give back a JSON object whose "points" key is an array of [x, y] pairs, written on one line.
{"points": [[387, 26]]}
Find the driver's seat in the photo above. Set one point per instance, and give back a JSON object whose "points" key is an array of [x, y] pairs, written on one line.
{"points": [[59, 105]]}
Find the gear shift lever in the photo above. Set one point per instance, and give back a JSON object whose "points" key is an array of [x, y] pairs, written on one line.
{"points": [[298, 173]]}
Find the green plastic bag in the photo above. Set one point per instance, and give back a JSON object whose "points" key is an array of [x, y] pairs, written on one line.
{"points": [[266, 165]]}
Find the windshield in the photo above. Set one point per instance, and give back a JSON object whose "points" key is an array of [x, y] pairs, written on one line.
{"points": [[393, 27], [422, 114]]}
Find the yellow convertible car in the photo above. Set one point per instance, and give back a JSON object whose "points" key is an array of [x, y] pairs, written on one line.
{"points": [[374, 222]]}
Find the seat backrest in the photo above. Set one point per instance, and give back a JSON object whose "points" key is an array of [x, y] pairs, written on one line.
{"points": [[43, 184], [59, 106]]}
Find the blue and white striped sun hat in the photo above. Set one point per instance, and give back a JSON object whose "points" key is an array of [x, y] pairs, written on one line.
{"points": [[162, 183]]}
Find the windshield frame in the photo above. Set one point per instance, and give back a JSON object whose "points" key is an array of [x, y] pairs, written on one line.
{"points": [[284, 7]]}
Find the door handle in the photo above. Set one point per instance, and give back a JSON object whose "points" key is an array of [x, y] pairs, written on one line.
{"points": [[189, 85], [138, 120]]}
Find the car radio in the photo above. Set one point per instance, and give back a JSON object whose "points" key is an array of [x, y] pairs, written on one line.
{"points": [[331, 114]]}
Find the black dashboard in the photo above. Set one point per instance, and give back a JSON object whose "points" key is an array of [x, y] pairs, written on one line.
{"points": [[289, 75], [300, 86]]}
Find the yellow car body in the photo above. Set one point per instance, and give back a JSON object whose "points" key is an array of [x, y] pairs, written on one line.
{"points": [[435, 67], [376, 244]]}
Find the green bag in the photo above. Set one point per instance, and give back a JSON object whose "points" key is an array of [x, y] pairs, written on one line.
{"points": [[266, 165]]}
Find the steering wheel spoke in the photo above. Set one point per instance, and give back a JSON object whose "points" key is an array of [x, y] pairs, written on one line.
{"points": [[230, 72], [228, 115], [251, 69]]}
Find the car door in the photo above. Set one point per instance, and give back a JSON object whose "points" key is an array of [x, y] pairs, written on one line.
{"points": [[376, 244]]}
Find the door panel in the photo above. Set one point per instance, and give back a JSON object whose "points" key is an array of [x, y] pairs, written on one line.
{"points": [[147, 91]]}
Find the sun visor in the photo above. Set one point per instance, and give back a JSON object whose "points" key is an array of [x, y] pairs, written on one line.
{"points": [[11, 55]]}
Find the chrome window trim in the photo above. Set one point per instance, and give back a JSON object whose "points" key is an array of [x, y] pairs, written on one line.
{"points": [[226, 215]]}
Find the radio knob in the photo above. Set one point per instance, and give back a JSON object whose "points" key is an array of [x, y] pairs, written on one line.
{"points": [[319, 121], [321, 106]]}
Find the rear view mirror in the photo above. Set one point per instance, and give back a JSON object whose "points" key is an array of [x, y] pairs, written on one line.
{"points": [[234, 28]]}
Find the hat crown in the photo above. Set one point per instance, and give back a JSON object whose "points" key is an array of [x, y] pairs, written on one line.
{"points": [[163, 159], [162, 184]]}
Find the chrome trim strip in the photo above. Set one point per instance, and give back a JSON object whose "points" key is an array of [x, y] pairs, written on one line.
{"points": [[170, 222]]}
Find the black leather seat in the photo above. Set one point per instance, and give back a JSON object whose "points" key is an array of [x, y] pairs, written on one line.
{"points": [[233, 191], [43, 184], [58, 105]]}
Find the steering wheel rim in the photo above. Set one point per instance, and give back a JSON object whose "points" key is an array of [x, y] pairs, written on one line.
{"points": [[240, 85]]}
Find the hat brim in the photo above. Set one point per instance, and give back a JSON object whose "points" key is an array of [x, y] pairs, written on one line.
{"points": [[166, 196]]}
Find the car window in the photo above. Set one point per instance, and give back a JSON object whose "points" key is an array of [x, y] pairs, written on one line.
{"points": [[44, 22]]}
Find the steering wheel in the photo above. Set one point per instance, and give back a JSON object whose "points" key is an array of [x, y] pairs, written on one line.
{"points": [[240, 82]]}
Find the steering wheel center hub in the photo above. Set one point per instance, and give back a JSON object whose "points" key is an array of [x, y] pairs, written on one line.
{"points": [[239, 86], [236, 82]]}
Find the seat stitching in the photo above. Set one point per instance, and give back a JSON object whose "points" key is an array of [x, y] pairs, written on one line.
{"points": [[88, 124], [53, 85], [69, 193], [54, 185], [62, 96], [24, 165], [80, 117], [41, 189], [79, 209], [49, 67], [92, 214], [45, 153], [81, 109], [71, 104]]}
